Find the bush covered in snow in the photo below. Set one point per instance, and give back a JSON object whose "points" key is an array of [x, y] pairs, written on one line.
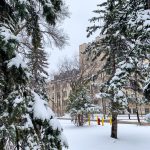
{"points": [[147, 118]]}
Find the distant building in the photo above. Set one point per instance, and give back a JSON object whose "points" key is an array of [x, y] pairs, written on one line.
{"points": [[58, 92], [59, 88]]}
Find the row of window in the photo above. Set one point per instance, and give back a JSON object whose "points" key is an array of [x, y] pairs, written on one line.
{"points": [[58, 94], [57, 86], [58, 103], [147, 4], [147, 110]]}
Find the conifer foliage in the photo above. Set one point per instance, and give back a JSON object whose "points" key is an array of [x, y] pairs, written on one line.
{"points": [[26, 121], [79, 105], [124, 41]]}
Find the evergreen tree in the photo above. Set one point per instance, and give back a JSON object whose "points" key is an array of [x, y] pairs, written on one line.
{"points": [[80, 99], [114, 47], [26, 121], [37, 57], [79, 105], [123, 35], [138, 36]]}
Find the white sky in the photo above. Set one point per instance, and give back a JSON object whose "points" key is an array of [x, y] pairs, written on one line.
{"points": [[75, 27]]}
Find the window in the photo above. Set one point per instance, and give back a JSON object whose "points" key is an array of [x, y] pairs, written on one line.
{"points": [[64, 103], [58, 95], [57, 86], [53, 96], [65, 84], [59, 103], [53, 87], [146, 110], [65, 94]]}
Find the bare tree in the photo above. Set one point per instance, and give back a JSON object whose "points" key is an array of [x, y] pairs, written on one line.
{"points": [[78, 74]]}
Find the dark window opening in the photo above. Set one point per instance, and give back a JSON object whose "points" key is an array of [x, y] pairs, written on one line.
{"points": [[146, 110], [65, 94]]}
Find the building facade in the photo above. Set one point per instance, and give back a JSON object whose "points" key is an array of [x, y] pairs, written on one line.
{"points": [[58, 92], [59, 88]]}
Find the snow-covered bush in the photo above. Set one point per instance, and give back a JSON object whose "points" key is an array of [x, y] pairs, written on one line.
{"points": [[80, 105], [147, 118]]}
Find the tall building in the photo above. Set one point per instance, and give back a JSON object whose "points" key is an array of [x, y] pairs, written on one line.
{"points": [[59, 88]]}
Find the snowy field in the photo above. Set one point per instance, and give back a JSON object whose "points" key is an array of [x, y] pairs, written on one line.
{"points": [[94, 137], [133, 118]]}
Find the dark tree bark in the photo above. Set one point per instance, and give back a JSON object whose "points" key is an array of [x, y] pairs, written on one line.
{"points": [[2, 144], [129, 116], [17, 139], [114, 125], [80, 120], [129, 112], [104, 108], [136, 96], [138, 117]]}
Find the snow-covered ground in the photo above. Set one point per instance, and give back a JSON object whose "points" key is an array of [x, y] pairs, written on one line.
{"points": [[94, 137], [125, 118]]}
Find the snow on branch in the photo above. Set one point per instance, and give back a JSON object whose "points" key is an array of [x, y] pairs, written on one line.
{"points": [[17, 61]]}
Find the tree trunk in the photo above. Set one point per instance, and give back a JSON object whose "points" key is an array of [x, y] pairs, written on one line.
{"points": [[129, 116], [129, 111], [136, 97], [104, 108], [17, 139], [80, 119], [114, 125], [138, 117], [2, 144]]}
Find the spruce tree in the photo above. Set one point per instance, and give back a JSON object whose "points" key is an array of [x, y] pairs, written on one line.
{"points": [[79, 105], [113, 44], [138, 36], [123, 35], [26, 121]]}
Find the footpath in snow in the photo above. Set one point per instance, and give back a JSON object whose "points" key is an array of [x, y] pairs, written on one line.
{"points": [[94, 137]]}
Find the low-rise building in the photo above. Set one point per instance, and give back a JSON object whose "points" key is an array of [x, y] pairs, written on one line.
{"points": [[58, 92]]}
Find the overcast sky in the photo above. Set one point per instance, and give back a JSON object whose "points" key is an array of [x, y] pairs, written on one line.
{"points": [[75, 27]]}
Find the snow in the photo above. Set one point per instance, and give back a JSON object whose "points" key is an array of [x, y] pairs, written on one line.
{"points": [[40, 108], [101, 95], [115, 78], [66, 116], [147, 117], [42, 111], [17, 101], [118, 71], [127, 66], [55, 124], [120, 117], [94, 137], [120, 93], [28, 124], [7, 34], [146, 86], [64, 140], [17, 61]]}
